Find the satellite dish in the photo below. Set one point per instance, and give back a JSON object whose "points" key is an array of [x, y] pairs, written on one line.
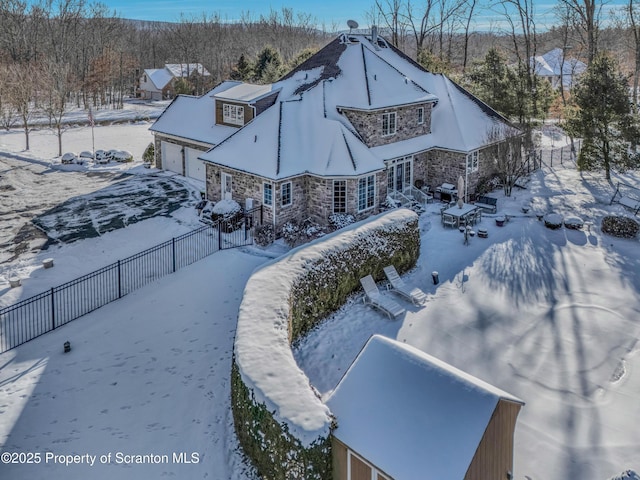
{"points": [[352, 24]]}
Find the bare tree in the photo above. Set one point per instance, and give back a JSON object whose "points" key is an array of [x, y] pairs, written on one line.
{"points": [[587, 15], [24, 87], [471, 7], [7, 109], [633, 11], [507, 148], [60, 82]]}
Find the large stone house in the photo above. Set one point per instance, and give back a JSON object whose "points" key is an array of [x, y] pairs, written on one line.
{"points": [[557, 69], [354, 124]]}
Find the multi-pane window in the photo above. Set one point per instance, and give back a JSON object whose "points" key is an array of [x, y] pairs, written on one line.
{"points": [[472, 162], [233, 114], [285, 194], [267, 194], [339, 196], [420, 115], [389, 123], [366, 192]]}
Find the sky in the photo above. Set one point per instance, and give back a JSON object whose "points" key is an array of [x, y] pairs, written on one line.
{"points": [[332, 13]]}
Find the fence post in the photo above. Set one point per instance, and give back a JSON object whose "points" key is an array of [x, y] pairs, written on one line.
{"points": [[119, 281], [219, 234], [53, 311], [561, 155], [173, 253]]}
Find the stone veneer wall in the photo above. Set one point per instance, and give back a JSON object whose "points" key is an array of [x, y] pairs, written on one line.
{"points": [[369, 124]]}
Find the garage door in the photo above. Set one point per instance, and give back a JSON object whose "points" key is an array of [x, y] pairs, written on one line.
{"points": [[195, 167], [172, 157]]}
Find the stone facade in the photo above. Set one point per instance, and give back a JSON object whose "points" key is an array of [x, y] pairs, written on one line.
{"points": [[369, 124]]}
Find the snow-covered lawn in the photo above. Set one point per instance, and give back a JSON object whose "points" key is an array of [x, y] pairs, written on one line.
{"points": [[551, 316]]}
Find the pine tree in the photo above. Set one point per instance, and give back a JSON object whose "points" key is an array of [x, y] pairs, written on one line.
{"points": [[493, 83], [243, 70], [269, 66], [603, 118]]}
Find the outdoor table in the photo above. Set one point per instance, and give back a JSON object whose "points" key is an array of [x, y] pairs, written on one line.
{"points": [[459, 213]]}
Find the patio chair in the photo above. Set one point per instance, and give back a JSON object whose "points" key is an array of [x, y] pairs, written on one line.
{"points": [[374, 298], [449, 220], [398, 285]]}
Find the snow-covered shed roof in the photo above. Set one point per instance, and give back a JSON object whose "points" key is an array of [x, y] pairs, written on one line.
{"points": [[431, 415], [160, 77], [185, 69], [194, 118], [245, 92]]}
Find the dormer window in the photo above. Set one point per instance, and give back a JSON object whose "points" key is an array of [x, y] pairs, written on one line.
{"points": [[233, 114], [388, 124]]}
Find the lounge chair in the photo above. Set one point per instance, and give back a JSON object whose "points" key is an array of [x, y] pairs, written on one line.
{"points": [[398, 285], [373, 297]]}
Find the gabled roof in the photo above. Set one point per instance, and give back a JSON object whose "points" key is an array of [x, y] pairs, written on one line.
{"points": [[444, 411], [554, 64], [193, 118], [160, 77], [185, 69]]}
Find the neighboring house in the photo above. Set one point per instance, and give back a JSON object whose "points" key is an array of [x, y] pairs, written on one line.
{"points": [[402, 414], [557, 69], [354, 124], [159, 83]]}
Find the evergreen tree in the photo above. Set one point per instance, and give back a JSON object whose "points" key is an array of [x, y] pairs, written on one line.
{"points": [[182, 86], [243, 70], [302, 57], [603, 118], [433, 63], [269, 66], [492, 82]]}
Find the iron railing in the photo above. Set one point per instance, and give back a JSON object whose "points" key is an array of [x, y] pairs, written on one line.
{"points": [[37, 315]]}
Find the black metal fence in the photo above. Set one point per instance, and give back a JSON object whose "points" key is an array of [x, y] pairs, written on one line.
{"points": [[46, 311]]}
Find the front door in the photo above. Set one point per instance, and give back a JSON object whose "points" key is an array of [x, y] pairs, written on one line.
{"points": [[226, 186]]}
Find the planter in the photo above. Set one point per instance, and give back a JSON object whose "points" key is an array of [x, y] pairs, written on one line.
{"points": [[553, 221], [483, 233], [14, 282], [47, 262], [500, 221]]}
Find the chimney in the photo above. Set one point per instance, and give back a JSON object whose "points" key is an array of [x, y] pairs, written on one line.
{"points": [[374, 35]]}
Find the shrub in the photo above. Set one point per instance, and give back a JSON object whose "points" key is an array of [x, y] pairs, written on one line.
{"points": [[623, 227], [149, 154], [573, 223], [230, 215], [340, 220], [291, 233], [553, 221], [264, 235]]}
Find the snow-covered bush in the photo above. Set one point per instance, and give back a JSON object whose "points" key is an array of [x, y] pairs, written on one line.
{"points": [[623, 227], [69, 157], [281, 423], [340, 220], [290, 232], [264, 235], [573, 223], [553, 221], [295, 234], [123, 156], [149, 154], [626, 475], [229, 214]]}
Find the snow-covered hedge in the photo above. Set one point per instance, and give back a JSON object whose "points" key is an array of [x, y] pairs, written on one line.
{"points": [[281, 422], [623, 227]]}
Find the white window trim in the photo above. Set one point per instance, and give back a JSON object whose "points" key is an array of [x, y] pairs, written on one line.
{"points": [[472, 162], [366, 178], [395, 123], [233, 114], [333, 199], [264, 189], [282, 204], [421, 116]]}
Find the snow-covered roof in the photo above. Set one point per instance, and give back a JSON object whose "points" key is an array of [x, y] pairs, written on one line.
{"points": [[194, 118], [553, 64], [160, 77], [185, 69], [431, 415], [245, 92], [304, 132]]}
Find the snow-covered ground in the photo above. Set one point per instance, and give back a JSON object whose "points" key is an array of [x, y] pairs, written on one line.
{"points": [[549, 316]]}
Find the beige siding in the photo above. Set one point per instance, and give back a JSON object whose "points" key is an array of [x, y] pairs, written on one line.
{"points": [[494, 456], [339, 454]]}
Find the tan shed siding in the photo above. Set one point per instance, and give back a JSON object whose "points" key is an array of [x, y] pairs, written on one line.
{"points": [[359, 469], [494, 456], [248, 112], [339, 455]]}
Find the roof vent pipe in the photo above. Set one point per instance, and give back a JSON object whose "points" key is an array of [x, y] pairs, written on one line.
{"points": [[374, 35]]}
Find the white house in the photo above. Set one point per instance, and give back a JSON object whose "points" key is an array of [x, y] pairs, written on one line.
{"points": [[356, 123], [158, 83], [557, 69], [402, 414]]}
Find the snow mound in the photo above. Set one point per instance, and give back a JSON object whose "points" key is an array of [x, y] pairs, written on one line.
{"points": [[626, 475]]}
